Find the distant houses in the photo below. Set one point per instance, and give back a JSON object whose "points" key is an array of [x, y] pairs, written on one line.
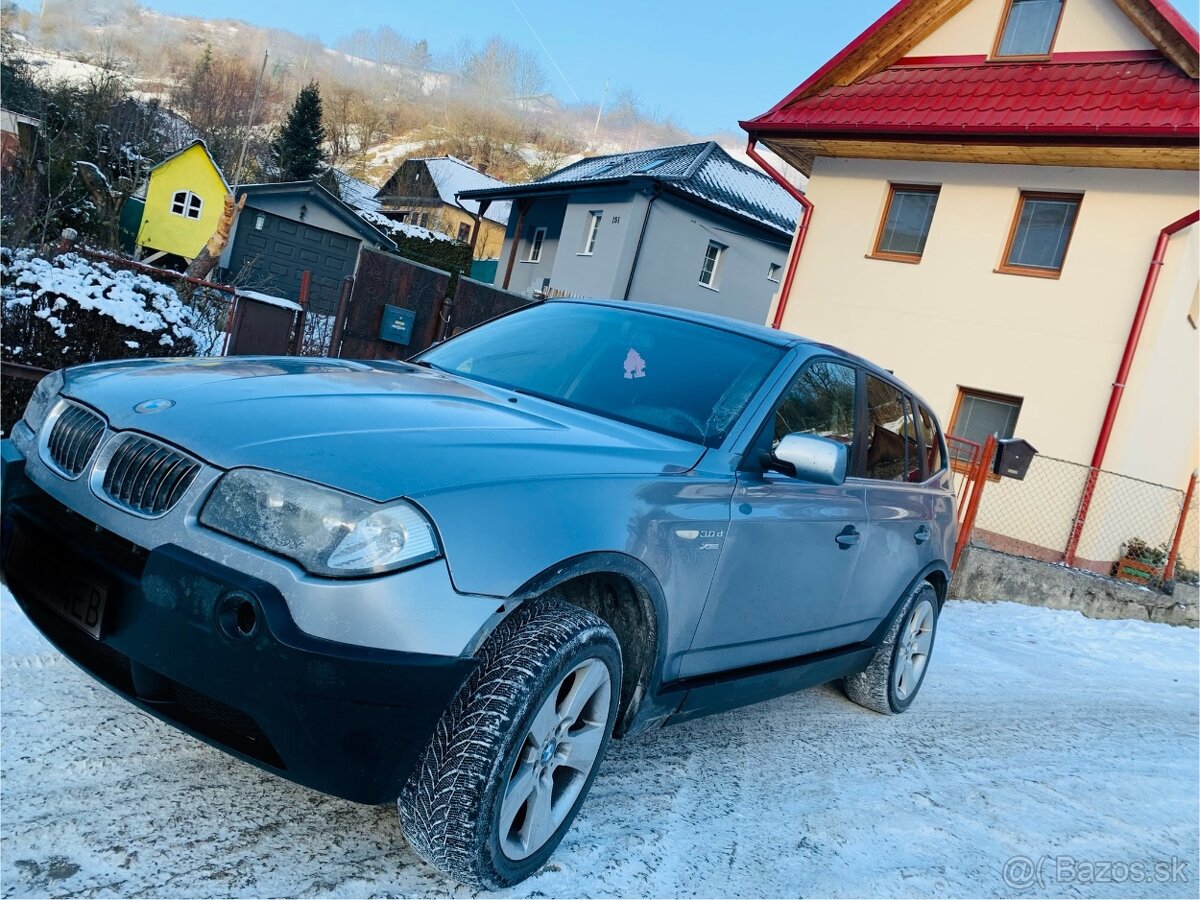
{"points": [[685, 226], [427, 192]]}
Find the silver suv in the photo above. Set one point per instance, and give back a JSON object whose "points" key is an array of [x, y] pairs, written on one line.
{"points": [[451, 581]]}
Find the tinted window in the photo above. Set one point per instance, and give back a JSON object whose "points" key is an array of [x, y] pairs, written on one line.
{"points": [[935, 451], [820, 401], [680, 378], [891, 434]]}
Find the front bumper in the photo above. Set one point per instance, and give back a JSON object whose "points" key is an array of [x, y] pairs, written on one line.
{"points": [[343, 719]]}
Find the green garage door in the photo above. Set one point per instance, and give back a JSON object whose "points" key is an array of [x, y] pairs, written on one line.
{"points": [[271, 259]]}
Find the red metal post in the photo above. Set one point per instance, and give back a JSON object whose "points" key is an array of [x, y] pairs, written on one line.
{"points": [[339, 321], [1118, 388], [785, 289], [979, 479], [305, 283], [1169, 571]]}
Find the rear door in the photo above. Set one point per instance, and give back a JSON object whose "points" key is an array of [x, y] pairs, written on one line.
{"points": [[792, 547], [900, 506]]}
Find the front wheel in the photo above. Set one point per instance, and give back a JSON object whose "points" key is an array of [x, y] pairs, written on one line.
{"points": [[890, 683], [513, 757]]}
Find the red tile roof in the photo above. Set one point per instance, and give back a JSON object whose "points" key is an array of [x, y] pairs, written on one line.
{"points": [[1140, 98]]}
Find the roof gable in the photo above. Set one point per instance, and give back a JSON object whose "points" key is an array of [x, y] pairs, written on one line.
{"points": [[906, 25], [311, 190], [198, 150], [450, 176], [1080, 107], [703, 172]]}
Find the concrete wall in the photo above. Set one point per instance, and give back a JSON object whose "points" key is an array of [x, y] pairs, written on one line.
{"points": [[1086, 25], [953, 321], [677, 238], [605, 272], [987, 575]]}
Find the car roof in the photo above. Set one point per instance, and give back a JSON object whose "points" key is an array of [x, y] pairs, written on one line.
{"points": [[736, 326]]}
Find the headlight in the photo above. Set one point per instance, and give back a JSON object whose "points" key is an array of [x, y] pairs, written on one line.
{"points": [[45, 395], [325, 531]]}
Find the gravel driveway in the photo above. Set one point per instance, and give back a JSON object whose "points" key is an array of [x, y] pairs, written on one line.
{"points": [[1039, 734]]}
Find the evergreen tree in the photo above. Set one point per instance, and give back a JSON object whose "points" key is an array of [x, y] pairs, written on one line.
{"points": [[298, 148]]}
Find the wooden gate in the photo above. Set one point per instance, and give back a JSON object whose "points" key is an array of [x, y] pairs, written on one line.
{"points": [[385, 280], [475, 302]]}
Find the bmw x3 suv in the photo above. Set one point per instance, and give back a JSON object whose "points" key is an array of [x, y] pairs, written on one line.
{"points": [[447, 583]]}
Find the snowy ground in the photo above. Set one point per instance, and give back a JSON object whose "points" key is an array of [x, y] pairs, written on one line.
{"points": [[1039, 734]]}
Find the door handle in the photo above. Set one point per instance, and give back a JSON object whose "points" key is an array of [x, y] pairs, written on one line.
{"points": [[923, 534], [848, 536]]}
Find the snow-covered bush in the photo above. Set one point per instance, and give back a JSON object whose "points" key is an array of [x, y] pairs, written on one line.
{"points": [[69, 310]]}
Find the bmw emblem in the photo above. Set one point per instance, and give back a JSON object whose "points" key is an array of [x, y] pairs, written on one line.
{"points": [[153, 406]]}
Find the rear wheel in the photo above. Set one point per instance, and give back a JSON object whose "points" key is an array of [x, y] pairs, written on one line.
{"points": [[511, 761], [891, 682]]}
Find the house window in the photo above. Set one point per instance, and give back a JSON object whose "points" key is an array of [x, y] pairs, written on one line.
{"points": [[186, 204], [773, 270], [979, 414], [906, 220], [1028, 28], [422, 219], [589, 236], [1040, 234], [711, 266], [464, 232], [535, 245]]}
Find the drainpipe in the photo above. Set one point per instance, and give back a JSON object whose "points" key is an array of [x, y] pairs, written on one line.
{"points": [[522, 205], [1118, 388], [785, 289], [637, 251]]}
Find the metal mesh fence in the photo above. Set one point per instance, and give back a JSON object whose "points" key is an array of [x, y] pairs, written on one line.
{"points": [[1034, 518]]}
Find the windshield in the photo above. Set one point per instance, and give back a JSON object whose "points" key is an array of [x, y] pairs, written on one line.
{"points": [[680, 378]]}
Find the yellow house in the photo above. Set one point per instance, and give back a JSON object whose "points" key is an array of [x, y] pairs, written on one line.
{"points": [[184, 201], [1000, 193]]}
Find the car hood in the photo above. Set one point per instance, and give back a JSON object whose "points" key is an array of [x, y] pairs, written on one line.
{"points": [[380, 430]]}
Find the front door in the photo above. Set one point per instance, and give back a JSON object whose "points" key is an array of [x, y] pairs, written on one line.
{"points": [[792, 546]]}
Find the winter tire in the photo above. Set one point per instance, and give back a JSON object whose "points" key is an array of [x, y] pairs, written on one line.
{"points": [[512, 759], [891, 682]]}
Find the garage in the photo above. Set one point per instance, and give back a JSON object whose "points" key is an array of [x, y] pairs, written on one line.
{"points": [[289, 228]]}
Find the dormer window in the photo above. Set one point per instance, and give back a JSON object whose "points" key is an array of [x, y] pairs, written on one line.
{"points": [[186, 204], [1028, 29]]}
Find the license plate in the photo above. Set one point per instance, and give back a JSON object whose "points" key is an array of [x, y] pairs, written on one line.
{"points": [[77, 597]]}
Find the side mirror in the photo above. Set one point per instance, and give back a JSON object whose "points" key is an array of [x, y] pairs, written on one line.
{"points": [[811, 458]]}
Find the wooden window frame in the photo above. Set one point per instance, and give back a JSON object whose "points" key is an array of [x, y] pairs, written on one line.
{"points": [[995, 56], [1011, 399], [536, 245], [892, 255], [1004, 268]]}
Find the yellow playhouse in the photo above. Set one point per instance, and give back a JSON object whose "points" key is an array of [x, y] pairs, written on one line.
{"points": [[184, 201]]}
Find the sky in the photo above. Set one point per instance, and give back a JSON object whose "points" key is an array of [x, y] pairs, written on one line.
{"points": [[707, 64]]}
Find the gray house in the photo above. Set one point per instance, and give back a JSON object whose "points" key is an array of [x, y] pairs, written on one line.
{"points": [[294, 226], [683, 226]]}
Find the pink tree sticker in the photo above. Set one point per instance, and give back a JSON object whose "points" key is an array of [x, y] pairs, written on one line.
{"points": [[635, 366]]}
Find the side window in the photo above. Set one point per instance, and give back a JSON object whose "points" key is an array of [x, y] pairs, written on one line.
{"points": [[820, 401], [935, 449], [891, 434]]}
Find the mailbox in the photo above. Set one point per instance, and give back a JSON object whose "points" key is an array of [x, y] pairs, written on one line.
{"points": [[396, 325], [1013, 456]]}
